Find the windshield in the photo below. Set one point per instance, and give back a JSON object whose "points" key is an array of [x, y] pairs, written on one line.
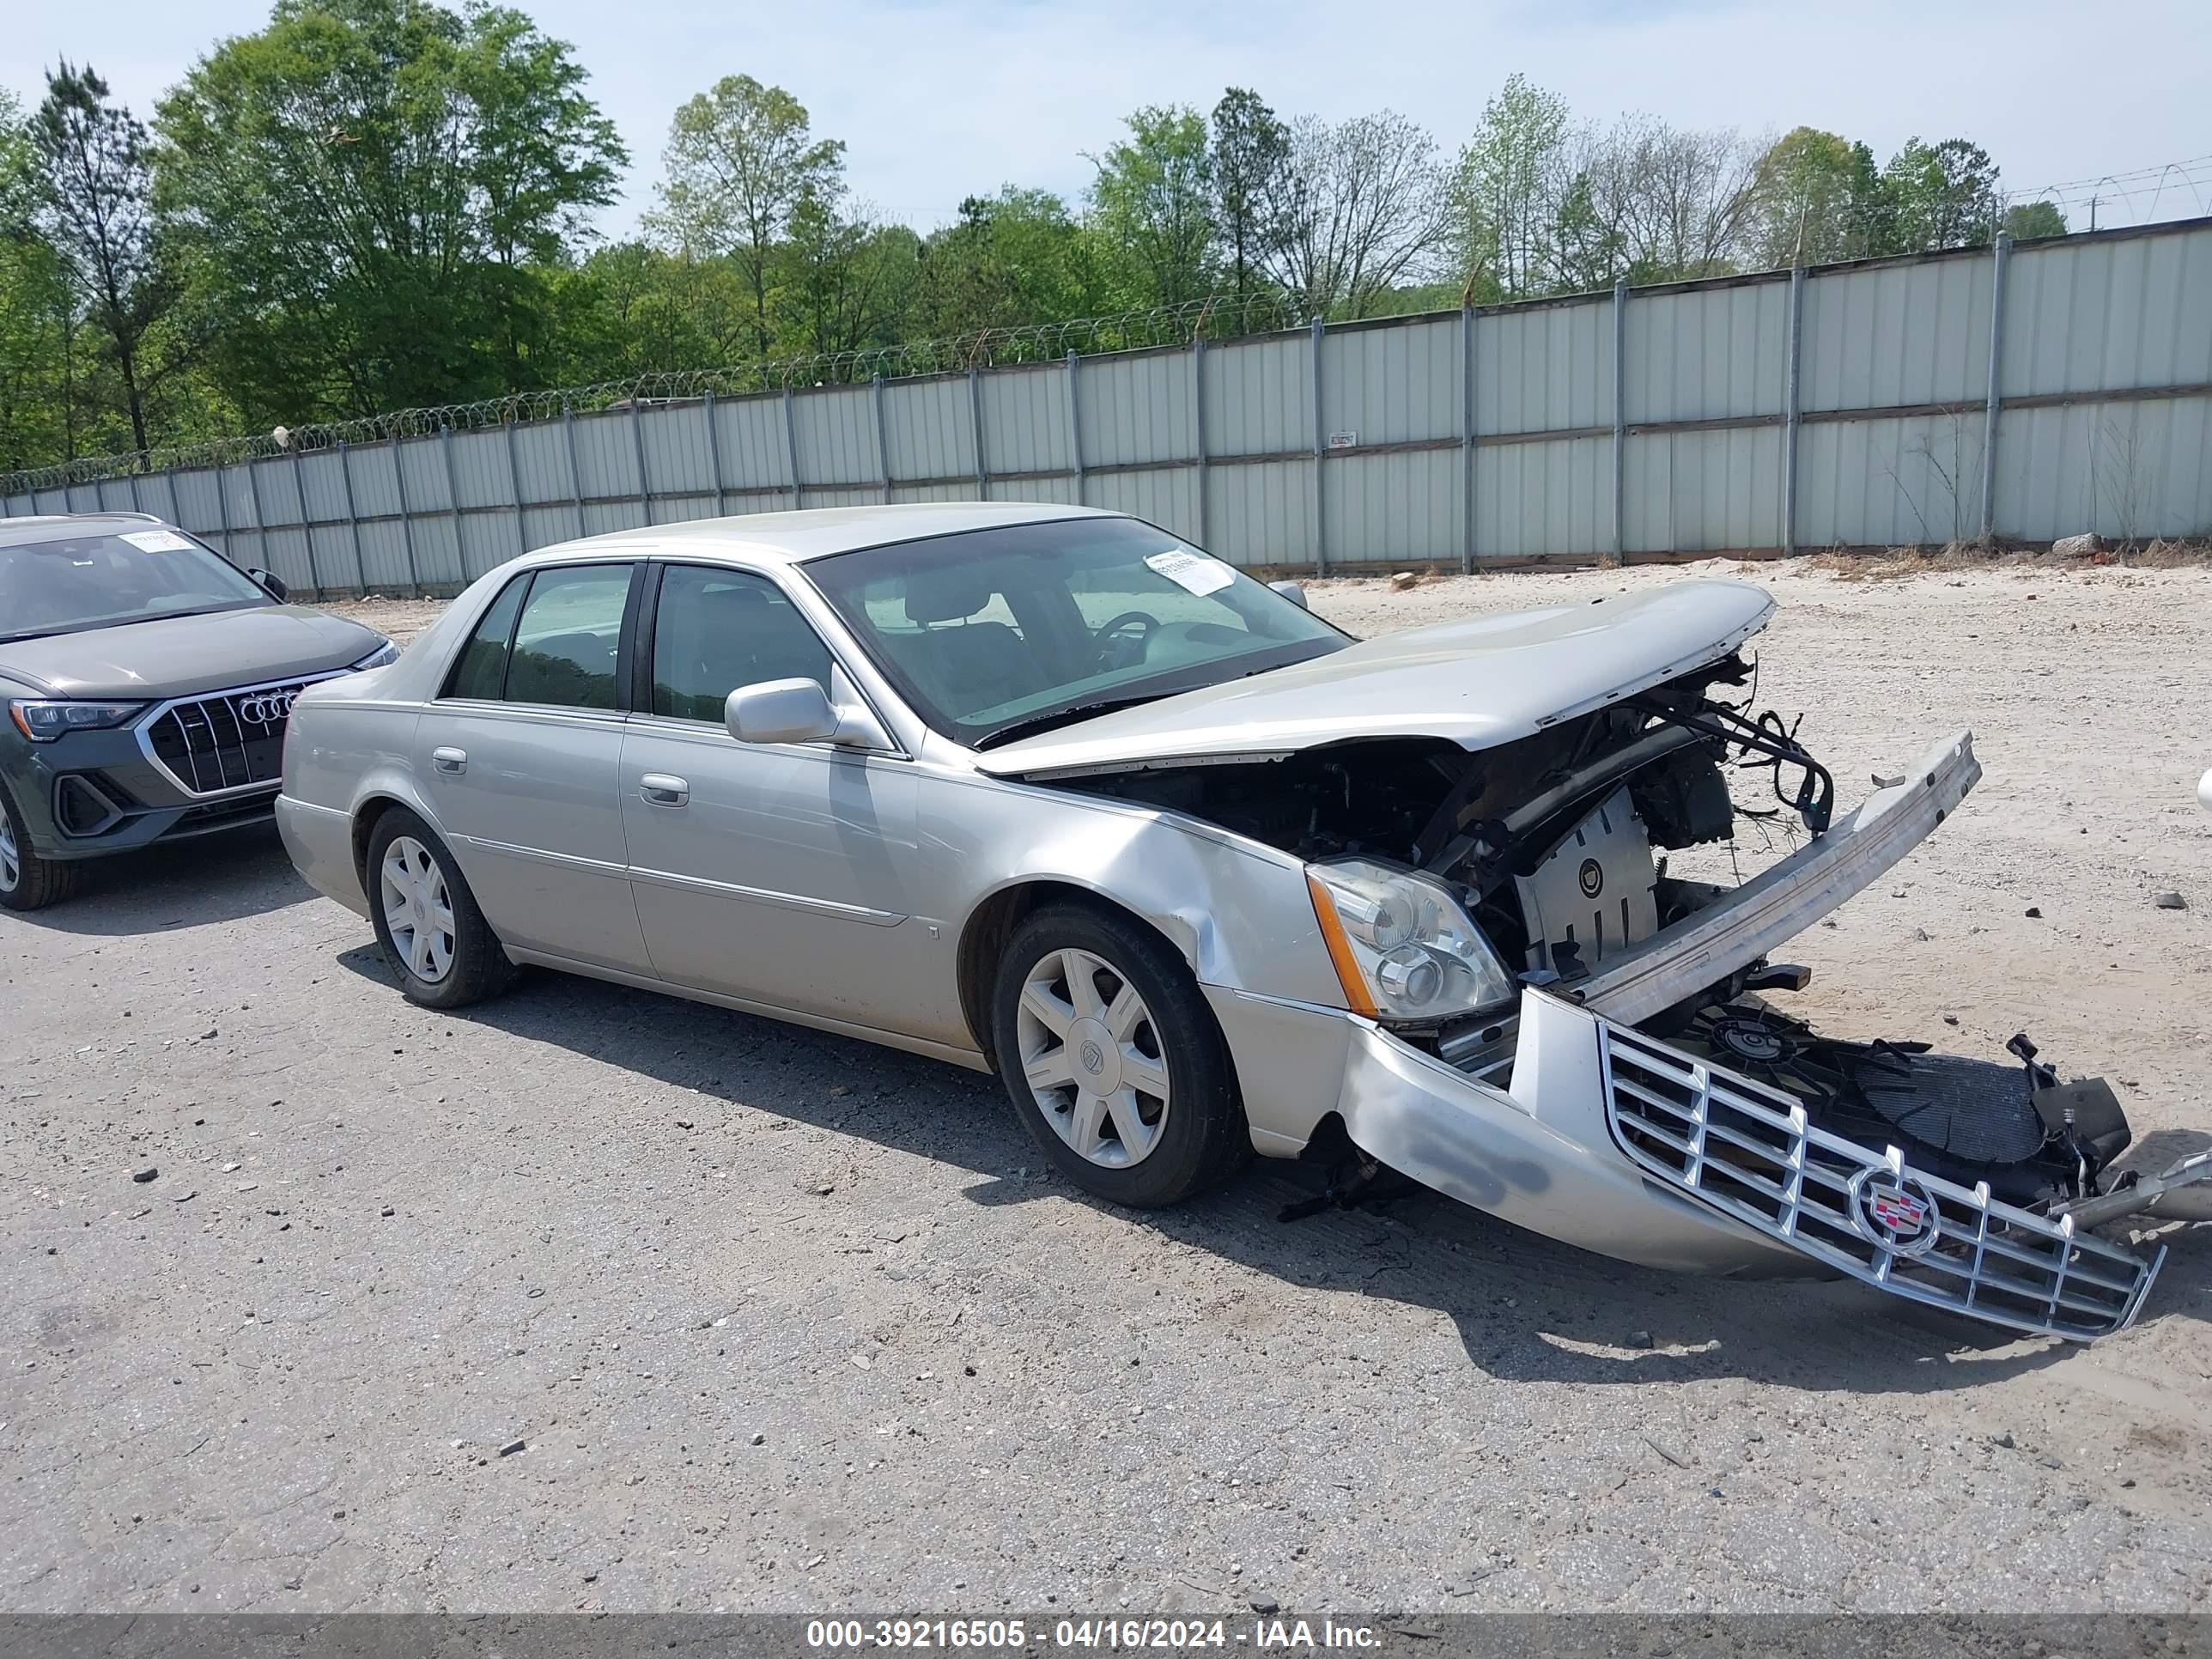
{"points": [[995, 633], [117, 577]]}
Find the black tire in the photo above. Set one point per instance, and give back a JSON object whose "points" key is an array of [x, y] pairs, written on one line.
{"points": [[38, 881], [1203, 1136], [479, 966]]}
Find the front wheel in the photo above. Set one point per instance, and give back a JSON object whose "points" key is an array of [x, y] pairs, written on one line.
{"points": [[29, 882], [1113, 1060], [441, 949]]}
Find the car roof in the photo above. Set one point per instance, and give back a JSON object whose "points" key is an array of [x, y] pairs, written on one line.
{"points": [[814, 533], [45, 527]]}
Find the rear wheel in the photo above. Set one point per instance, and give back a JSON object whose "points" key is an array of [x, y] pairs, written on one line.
{"points": [[441, 949], [29, 882], [1113, 1060]]}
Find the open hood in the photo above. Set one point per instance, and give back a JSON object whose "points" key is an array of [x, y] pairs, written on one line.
{"points": [[1477, 683]]}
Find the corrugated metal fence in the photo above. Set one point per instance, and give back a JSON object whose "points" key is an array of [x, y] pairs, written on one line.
{"points": [[1843, 406]]}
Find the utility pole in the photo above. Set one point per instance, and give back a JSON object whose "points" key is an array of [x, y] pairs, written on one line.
{"points": [[2093, 213]]}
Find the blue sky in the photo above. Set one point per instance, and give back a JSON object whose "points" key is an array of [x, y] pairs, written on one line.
{"points": [[938, 98]]}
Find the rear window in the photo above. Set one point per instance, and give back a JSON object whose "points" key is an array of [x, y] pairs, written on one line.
{"points": [[481, 670]]}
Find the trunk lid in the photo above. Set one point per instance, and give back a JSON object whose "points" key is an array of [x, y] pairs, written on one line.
{"points": [[1478, 683]]}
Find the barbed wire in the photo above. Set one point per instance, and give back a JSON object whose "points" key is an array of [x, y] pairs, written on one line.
{"points": [[1219, 317]]}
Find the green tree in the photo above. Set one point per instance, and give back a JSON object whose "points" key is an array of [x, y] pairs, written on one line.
{"points": [[1942, 195], [1590, 248], [846, 280], [2024, 220], [1818, 197], [358, 183], [37, 424], [543, 157], [1009, 260], [1251, 147], [1506, 191], [741, 158], [96, 209], [1152, 200]]}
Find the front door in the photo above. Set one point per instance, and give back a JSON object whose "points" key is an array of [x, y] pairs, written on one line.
{"points": [[521, 759], [779, 873]]}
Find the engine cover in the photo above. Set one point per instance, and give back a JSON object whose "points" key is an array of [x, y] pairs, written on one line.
{"points": [[1594, 890]]}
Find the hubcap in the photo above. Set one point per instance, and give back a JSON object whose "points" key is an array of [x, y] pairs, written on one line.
{"points": [[417, 910], [12, 866], [1092, 1058]]}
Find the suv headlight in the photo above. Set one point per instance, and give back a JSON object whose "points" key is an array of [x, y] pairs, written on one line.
{"points": [[42, 721], [386, 653], [1402, 946]]}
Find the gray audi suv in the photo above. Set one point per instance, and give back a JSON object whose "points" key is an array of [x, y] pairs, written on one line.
{"points": [[147, 682]]}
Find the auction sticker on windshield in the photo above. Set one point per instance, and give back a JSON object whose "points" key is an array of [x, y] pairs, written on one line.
{"points": [[157, 541], [1192, 570]]}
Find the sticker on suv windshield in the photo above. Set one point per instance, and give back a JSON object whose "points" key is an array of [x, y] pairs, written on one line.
{"points": [[1192, 570], [157, 541]]}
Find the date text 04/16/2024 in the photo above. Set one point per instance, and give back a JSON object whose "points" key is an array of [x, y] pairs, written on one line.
{"points": [[1109, 1635]]}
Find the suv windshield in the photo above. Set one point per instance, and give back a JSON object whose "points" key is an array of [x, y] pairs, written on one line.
{"points": [[995, 633], [115, 576]]}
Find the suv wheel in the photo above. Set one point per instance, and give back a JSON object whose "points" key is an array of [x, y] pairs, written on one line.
{"points": [[441, 949], [29, 882], [1113, 1059]]}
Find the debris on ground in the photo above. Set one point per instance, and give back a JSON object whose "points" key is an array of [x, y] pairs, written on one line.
{"points": [[511, 1448], [1402, 581], [2171, 902], [145, 1173]]}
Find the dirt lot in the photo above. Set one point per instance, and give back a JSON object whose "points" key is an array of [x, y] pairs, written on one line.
{"points": [[786, 1323]]}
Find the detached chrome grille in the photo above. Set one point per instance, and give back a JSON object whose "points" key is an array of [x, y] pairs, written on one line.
{"points": [[1748, 1152], [223, 743]]}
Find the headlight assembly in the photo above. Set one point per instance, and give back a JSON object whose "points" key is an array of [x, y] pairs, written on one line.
{"points": [[386, 653], [42, 721], [1403, 948]]}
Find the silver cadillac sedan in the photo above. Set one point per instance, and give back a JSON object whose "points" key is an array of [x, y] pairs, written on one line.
{"points": [[1047, 791]]}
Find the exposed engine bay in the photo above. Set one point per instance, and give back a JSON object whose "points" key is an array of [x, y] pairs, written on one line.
{"points": [[1553, 843], [1556, 847]]}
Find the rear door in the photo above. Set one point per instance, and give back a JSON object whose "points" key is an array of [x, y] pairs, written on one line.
{"points": [[779, 873], [521, 757]]}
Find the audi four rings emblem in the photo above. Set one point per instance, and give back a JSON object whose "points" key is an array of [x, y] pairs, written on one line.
{"points": [[266, 707]]}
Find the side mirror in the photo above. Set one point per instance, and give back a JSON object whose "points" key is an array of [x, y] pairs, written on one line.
{"points": [[274, 583], [800, 711], [780, 711], [1294, 592]]}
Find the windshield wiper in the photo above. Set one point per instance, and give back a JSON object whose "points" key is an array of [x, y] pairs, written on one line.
{"points": [[1031, 724]]}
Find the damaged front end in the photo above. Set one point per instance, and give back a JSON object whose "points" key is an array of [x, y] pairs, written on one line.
{"points": [[1552, 1026]]}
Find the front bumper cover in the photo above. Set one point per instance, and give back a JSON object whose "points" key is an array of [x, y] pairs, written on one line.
{"points": [[1609, 1140]]}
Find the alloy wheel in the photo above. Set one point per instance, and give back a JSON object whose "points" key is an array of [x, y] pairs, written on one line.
{"points": [[419, 909], [11, 862], [1092, 1058]]}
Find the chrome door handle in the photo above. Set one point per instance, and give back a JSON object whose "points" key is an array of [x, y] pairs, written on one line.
{"points": [[662, 790], [450, 760]]}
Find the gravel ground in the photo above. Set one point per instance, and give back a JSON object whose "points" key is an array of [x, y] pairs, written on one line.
{"points": [[781, 1321]]}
